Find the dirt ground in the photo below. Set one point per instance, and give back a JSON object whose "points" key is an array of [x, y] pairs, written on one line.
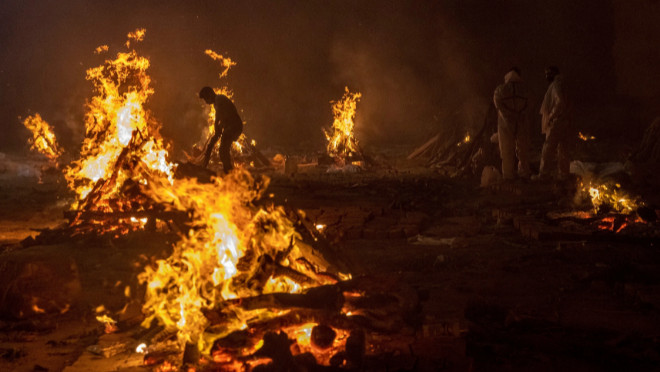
{"points": [[514, 300]]}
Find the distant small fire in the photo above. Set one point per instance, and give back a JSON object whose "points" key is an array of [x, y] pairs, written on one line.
{"points": [[342, 143], [614, 208], [43, 139], [610, 196], [585, 137], [465, 140]]}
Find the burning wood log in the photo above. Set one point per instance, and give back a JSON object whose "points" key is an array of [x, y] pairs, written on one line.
{"points": [[328, 297], [177, 216]]}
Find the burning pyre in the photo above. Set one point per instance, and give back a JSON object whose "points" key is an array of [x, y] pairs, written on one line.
{"points": [[240, 286], [342, 144]]}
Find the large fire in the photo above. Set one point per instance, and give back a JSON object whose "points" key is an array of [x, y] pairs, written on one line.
{"points": [[122, 140], [231, 253], [341, 139]]}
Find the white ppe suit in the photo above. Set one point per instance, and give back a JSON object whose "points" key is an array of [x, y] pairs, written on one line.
{"points": [[555, 124], [510, 101]]}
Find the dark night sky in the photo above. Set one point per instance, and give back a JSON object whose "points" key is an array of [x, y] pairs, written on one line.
{"points": [[419, 64]]}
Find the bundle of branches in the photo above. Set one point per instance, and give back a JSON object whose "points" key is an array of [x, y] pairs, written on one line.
{"points": [[461, 154]]}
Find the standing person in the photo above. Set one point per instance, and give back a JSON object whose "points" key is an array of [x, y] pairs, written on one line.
{"points": [[510, 101], [555, 124], [227, 127]]}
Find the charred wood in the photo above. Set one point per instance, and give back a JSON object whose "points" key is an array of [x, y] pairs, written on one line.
{"points": [[327, 297]]}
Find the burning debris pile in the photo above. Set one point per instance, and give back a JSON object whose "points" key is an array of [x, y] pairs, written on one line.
{"points": [[122, 150], [241, 286], [613, 208]]}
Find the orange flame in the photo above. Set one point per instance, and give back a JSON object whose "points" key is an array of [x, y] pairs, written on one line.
{"points": [[226, 62], [215, 261], [585, 137], [43, 139], [137, 35], [119, 130], [341, 140], [612, 196], [217, 258]]}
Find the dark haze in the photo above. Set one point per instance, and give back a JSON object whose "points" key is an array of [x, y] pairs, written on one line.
{"points": [[420, 65]]}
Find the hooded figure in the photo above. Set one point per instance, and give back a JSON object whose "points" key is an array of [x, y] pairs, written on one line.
{"points": [[510, 101], [555, 124]]}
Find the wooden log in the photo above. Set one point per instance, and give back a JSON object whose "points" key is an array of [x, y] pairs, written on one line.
{"points": [[327, 297], [424, 148], [179, 216]]}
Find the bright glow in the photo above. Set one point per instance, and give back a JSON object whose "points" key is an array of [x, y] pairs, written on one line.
{"points": [[341, 140], [228, 236], [465, 140], [585, 137], [141, 348], [611, 196]]}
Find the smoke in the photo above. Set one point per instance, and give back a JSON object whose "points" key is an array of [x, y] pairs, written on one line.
{"points": [[422, 66]]}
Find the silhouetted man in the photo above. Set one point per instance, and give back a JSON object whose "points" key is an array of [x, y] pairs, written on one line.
{"points": [[227, 127]]}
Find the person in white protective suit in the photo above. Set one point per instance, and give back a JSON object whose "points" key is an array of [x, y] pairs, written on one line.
{"points": [[556, 125], [510, 101]]}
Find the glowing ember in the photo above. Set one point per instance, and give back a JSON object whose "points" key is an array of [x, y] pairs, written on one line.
{"points": [[585, 137], [612, 197], [109, 323], [43, 139], [141, 348], [465, 140], [341, 140]]}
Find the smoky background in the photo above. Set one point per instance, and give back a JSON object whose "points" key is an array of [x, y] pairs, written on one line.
{"points": [[422, 66]]}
